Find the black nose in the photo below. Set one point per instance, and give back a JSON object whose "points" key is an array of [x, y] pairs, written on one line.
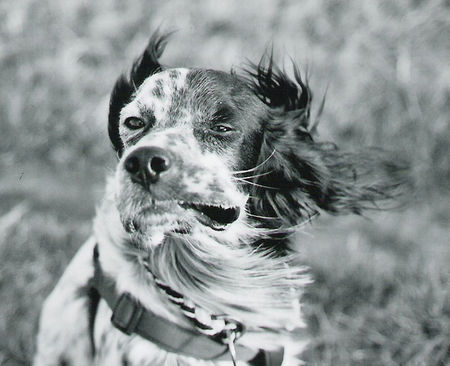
{"points": [[145, 165]]}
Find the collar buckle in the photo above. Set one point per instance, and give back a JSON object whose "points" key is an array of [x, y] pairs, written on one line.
{"points": [[231, 326]]}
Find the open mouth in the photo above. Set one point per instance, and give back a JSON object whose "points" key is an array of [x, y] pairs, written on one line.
{"points": [[214, 216]]}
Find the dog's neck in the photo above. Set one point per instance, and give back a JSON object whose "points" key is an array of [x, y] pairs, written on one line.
{"points": [[258, 289]]}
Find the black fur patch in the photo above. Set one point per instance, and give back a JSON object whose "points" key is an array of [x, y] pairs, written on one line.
{"points": [[302, 177], [277, 90]]}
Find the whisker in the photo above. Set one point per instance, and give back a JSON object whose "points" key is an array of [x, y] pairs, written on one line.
{"points": [[263, 217], [256, 175], [256, 167], [261, 231], [254, 184]]}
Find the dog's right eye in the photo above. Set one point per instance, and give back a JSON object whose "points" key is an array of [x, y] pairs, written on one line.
{"points": [[134, 123]]}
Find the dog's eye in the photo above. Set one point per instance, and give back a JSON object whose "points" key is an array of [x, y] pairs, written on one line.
{"points": [[222, 128], [134, 123]]}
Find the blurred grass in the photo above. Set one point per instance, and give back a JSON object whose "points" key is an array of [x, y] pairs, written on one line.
{"points": [[382, 292]]}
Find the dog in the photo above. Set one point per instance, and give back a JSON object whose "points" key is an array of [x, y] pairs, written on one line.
{"points": [[193, 260]]}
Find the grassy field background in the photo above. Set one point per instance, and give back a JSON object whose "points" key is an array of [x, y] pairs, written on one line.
{"points": [[382, 283]]}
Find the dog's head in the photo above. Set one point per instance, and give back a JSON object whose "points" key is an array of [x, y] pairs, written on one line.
{"points": [[227, 155], [215, 169]]}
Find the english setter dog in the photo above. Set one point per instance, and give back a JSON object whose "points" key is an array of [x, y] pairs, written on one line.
{"points": [[192, 260]]}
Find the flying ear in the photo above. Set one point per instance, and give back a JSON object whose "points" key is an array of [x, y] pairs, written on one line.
{"points": [[144, 66], [298, 177]]}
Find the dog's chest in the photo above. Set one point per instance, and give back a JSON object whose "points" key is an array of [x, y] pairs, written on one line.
{"points": [[116, 348]]}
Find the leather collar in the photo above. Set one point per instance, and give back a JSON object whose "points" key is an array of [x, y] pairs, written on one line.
{"points": [[131, 317]]}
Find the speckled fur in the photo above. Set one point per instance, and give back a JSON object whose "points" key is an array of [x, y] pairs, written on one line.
{"points": [[261, 160]]}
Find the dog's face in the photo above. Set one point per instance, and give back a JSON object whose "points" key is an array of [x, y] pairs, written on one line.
{"points": [[185, 134], [217, 153]]}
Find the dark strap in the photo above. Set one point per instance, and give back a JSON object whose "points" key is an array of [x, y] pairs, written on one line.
{"points": [[130, 317], [266, 358], [93, 301]]}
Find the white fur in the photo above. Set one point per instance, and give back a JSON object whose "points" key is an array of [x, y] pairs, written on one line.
{"points": [[63, 327]]}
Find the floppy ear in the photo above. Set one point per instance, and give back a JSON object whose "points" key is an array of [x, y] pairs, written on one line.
{"points": [[147, 64], [297, 177]]}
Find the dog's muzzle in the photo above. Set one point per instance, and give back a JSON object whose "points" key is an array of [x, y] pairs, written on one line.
{"points": [[155, 169]]}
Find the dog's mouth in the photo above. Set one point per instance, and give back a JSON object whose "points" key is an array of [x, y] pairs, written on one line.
{"points": [[214, 216]]}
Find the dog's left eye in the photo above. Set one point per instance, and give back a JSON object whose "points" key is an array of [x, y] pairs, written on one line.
{"points": [[134, 123], [222, 128]]}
